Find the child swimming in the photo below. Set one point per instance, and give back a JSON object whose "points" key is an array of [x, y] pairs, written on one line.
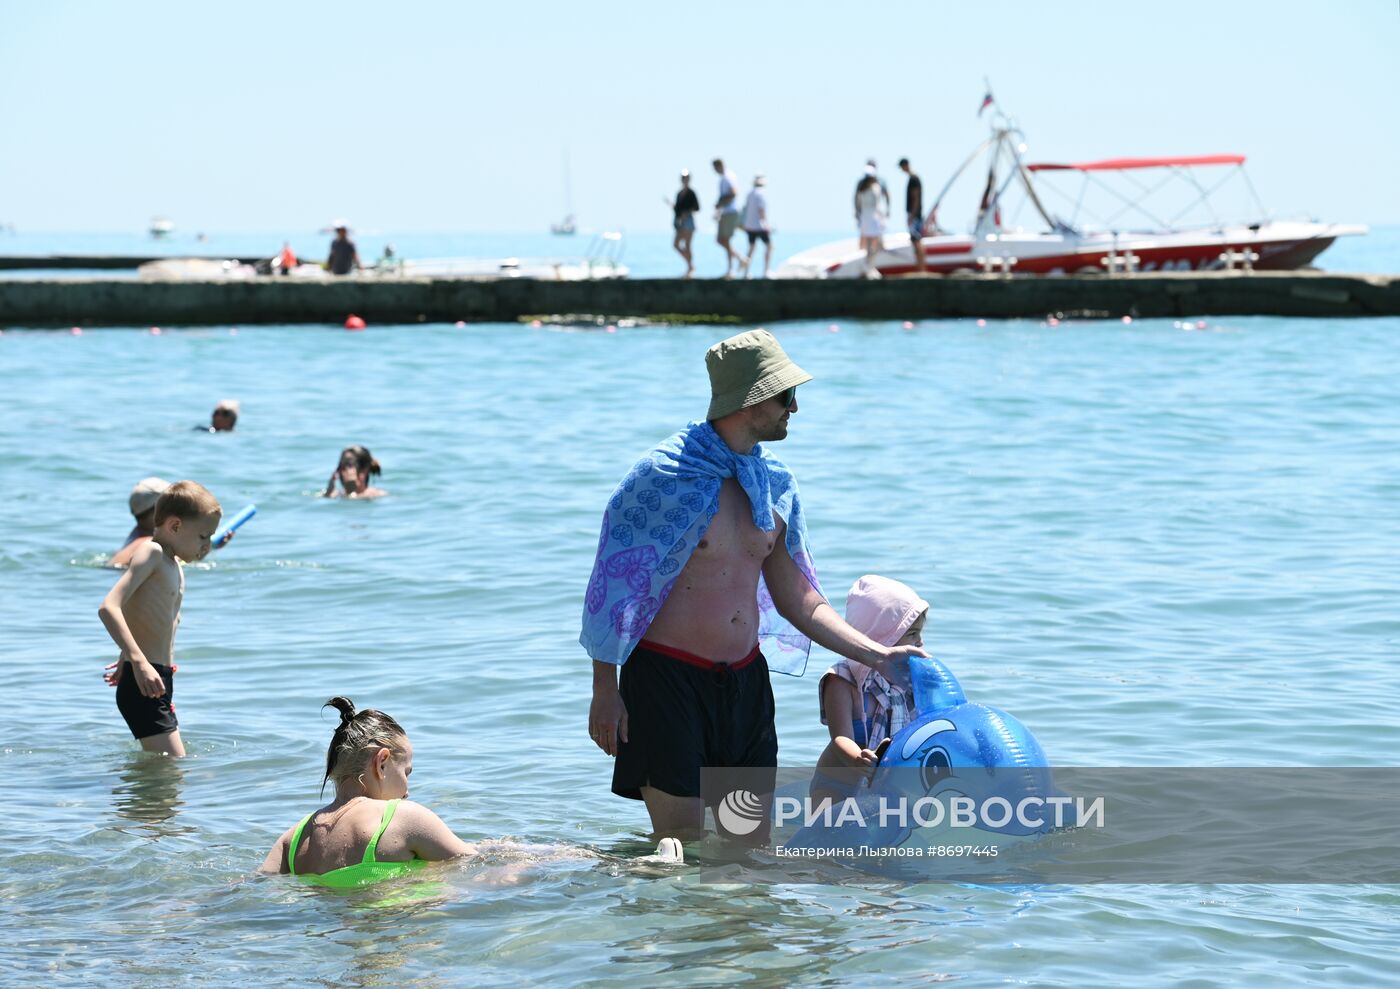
{"points": [[142, 610], [370, 831], [357, 465], [859, 706]]}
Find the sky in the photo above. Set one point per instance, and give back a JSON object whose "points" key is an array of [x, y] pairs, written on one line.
{"points": [[443, 116]]}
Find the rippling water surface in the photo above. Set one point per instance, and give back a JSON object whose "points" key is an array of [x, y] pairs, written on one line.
{"points": [[1155, 545]]}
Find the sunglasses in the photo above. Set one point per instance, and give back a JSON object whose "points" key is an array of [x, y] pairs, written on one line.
{"points": [[788, 397]]}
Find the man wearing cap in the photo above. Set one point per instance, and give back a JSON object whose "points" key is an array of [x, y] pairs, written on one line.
{"points": [[142, 502], [756, 224], [224, 417], [702, 560], [343, 257]]}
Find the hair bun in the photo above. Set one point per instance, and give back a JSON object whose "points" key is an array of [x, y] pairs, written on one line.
{"points": [[345, 706]]}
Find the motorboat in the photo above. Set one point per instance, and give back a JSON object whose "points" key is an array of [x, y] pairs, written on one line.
{"points": [[161, 227], [1136, 235]]}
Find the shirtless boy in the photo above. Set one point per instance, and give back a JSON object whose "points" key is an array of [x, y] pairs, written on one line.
{"points": [[142, 610], [692, 538]]}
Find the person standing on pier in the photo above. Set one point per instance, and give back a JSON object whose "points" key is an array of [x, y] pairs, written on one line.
{"points": [[756, 224], [343, 257], [871, 172], [685, 207], [914, 211], [727, 214], [872, 222]]}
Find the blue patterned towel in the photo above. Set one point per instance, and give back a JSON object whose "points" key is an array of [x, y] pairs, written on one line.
{"points": [[653, 523]]}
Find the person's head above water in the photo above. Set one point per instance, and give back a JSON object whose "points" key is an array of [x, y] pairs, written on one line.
{"points": [[143, 498], [888, 611], [753, 387], [369, 754], [225, 416], [357, 466]]}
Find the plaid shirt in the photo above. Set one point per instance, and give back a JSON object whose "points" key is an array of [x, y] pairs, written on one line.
{"points": [[885, 709]]}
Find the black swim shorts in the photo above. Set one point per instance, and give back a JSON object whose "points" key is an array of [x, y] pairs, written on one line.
{"points": [[756, 235], [685, 712], [147, 716]]}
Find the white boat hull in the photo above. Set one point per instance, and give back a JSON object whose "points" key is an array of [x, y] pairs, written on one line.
{"points": [[1280, 246]]}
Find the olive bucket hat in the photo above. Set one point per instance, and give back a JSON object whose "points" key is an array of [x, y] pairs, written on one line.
{"points": [[746, 369]]}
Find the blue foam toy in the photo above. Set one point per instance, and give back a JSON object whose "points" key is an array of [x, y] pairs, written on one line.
{"points": [[232, 525]]}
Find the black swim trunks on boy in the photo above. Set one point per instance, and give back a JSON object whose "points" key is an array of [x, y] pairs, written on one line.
{"points": [[147, 716]]}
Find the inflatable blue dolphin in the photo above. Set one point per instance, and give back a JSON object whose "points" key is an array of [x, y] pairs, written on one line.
{"points": [[954, 748]]}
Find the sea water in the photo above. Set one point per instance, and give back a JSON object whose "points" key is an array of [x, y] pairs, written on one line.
{"points": [[1155, 544]]}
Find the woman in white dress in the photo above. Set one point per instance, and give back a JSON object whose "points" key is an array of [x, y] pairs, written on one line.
{"points": [[872, 222]]}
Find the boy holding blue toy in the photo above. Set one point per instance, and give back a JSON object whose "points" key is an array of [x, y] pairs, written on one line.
{"points": [[142, 611]]}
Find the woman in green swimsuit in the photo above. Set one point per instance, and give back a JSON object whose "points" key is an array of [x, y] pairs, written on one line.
{"points": [[369, 831]]}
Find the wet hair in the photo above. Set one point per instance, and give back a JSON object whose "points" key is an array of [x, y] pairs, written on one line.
{"points": [[187, 501], [364, 460], [359, 734]]}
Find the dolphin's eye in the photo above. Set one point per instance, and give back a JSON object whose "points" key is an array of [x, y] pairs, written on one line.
{"points": [[935, 767]]}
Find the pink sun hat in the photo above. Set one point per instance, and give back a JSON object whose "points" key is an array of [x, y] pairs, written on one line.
{"points": [[883, 608]]}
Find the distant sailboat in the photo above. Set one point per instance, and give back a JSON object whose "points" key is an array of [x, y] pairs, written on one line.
{"points": [[566, 228]]}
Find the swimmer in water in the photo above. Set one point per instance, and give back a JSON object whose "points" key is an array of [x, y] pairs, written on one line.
{"points": [[357, 465], [370, 831], [142, 503], [223, 418]]}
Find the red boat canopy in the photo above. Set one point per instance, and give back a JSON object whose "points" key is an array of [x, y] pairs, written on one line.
{"points": [[1118, 164]]}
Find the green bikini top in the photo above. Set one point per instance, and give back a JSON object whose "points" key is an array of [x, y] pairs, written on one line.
{"points": [[363, 873]]}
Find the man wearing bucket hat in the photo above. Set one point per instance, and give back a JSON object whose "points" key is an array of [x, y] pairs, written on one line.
{"points": [[703, 582]]}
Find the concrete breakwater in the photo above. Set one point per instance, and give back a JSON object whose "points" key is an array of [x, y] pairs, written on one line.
{"points": [[98, 262], [114, 302]]}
